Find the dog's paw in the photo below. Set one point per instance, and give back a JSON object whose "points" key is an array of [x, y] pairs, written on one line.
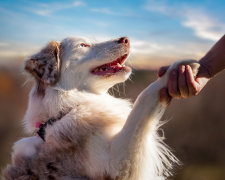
{"points": [[26, 146], [192, 63]]}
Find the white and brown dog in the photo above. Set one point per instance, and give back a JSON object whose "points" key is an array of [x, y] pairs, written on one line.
{"points": [[83, 132]]}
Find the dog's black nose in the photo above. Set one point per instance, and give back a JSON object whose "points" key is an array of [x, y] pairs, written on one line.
{"points": [[123, 40]]}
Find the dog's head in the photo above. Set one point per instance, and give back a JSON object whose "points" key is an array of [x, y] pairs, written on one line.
{"points": [[77, 63]]}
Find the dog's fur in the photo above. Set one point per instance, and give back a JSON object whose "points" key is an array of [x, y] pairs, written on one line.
{"points": [[100, 137]]}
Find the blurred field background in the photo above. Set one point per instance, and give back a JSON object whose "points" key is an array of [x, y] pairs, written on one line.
{"points": [[195, 131], [161, 32]]}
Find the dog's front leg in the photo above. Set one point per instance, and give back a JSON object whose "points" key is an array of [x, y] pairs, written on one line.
{"points": [[137, 153], [128, 148]]}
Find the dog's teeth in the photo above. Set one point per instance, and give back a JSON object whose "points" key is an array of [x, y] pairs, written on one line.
{"points": [[95, 70], [101, 69], [118, 64]]}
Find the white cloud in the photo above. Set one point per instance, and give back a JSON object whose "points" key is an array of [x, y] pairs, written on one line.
{"points": [[42, 12], [44, 9], [17, 49], [144, 47], [102, 10], [144, 53], [203, 25], [100, 23], [175, 50], [162, 6], [79, 3], [10, 53], [4, 44]]}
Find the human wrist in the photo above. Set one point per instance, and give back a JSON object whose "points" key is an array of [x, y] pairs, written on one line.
{"points": [[214, 61], [205, 69]]}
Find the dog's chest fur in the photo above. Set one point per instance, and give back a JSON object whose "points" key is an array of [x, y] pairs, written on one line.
{"points": [[80, 140]]}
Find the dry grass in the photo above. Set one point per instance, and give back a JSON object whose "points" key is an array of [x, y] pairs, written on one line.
{"points": [[196, 130]]}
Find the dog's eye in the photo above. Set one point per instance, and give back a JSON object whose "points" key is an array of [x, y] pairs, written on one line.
{"points": [[84, 45]]}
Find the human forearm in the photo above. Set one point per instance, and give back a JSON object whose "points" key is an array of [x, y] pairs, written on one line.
{"points": [[214, 60], [182, 83]]}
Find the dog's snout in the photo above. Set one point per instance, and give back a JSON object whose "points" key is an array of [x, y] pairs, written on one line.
{"points": [[123, 40]]}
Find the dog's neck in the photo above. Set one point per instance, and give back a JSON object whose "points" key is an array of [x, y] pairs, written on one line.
{"points": [[42, 126], [50, 101], [83, 83]]}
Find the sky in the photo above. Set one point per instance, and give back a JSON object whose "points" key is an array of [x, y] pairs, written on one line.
{"points": [[160, 31]]}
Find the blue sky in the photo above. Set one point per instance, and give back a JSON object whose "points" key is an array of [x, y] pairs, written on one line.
{"points": [[160, 30]]}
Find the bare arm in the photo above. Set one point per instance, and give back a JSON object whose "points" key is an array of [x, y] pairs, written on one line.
{"points": [[214, 60], [182, 83]]}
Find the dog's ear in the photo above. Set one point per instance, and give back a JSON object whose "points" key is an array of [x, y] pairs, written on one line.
{"points": [[45, 65]]}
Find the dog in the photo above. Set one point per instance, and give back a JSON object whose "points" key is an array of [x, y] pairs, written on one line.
{"points": [[83, 133]]}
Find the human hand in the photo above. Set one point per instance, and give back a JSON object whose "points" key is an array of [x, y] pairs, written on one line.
{"points": [[182, 83]]}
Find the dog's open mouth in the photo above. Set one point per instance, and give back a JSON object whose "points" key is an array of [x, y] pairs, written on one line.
{"points": [[112, 67]]}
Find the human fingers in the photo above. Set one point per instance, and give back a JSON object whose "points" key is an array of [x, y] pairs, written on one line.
{"points": [[191, 83], [173, 84], [165, 98], [162, 70], [182, 85]]}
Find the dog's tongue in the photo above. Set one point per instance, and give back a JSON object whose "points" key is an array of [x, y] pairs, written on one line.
{"points": [[109, 70], [112, 67]]}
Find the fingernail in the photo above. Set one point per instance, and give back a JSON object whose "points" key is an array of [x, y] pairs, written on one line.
{"points": [[187, 66], [182, 68]]}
